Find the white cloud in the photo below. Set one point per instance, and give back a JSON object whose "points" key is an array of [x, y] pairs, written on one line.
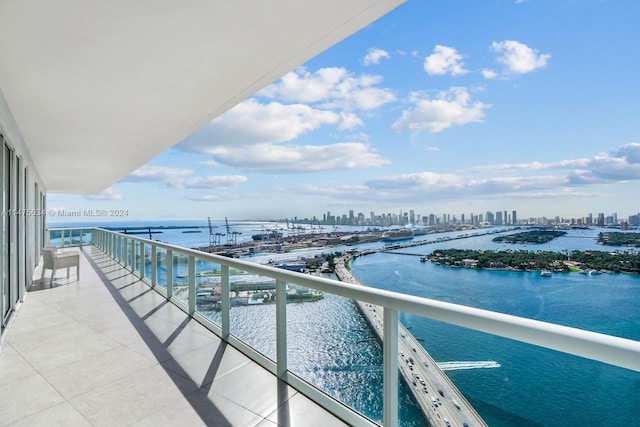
{"points": [[208, 182], [444, 60], [334, 88], [449, 108], [621, 164], [251, 122], [298, 159], [251, 136], [575, 179], [489, 74], [518, 57], [157, 174], [181, 178], [108, 194], [374, 55], [349, 121]]}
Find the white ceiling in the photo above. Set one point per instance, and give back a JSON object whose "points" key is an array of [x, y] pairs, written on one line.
{"points": [[98, 88]]}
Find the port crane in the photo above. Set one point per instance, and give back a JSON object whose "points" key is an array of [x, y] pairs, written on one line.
{"points": [[214, 238], [232, 236]]}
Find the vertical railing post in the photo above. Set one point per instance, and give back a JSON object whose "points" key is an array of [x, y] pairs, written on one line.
{"points": [[169, 266], [390, 368], [281, 328], [192, 284], [154, 265], [62, 238], [225, 301]]}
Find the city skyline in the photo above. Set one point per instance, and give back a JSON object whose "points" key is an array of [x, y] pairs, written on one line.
{"points": [[499, 217], [449, 107]]}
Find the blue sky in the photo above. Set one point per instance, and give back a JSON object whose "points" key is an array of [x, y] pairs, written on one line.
{"points": [[440, 107]]}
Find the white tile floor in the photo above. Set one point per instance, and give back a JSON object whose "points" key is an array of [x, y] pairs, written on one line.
{"points": [[107, 351]]}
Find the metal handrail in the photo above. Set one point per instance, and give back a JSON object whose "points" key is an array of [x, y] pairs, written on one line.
{"points": [[608, 349]]}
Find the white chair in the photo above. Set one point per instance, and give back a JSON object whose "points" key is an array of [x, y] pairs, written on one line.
{"points": [[54, 260]]}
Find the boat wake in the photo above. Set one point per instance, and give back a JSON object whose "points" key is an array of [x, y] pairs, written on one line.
{"points": [[483, 364]]}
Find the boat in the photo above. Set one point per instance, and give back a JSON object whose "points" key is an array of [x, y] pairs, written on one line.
{"points": [[292, 266], [423, 259], [394, 235], [267, 235], [545, 273], [594, 272]]}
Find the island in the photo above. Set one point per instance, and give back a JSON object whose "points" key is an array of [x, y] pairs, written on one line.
{"points": [[532, 237], [576, 261], [617, 238]]}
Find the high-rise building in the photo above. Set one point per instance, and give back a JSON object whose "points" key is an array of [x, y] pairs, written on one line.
{"points": [[498, 220], [490, 218], [514, 218]]}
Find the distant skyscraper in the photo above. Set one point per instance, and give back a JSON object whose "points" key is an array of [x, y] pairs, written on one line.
{"points": [[514, 218], [498, 220], [491, 218], [412, 217], [601, 219]]}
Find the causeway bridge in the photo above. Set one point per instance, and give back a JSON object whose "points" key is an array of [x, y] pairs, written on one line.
{"points": [[441, 402]]}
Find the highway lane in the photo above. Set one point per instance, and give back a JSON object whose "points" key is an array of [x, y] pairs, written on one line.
{"points": [[441, 402]]}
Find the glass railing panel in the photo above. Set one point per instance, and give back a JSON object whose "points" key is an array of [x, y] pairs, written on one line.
{"points": [[137, 257], [85, 236], [252, 314], [161, 268], [126, 252], [145, 260], [208, 289], [55, 237], [332, 346], [181, 277]]}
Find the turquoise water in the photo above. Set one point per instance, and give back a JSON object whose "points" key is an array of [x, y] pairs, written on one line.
{"points": [[533, 386], [330, 344]]}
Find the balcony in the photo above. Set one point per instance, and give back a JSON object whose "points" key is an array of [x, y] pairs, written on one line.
{"points": [[130, 342], [105, 350]]}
